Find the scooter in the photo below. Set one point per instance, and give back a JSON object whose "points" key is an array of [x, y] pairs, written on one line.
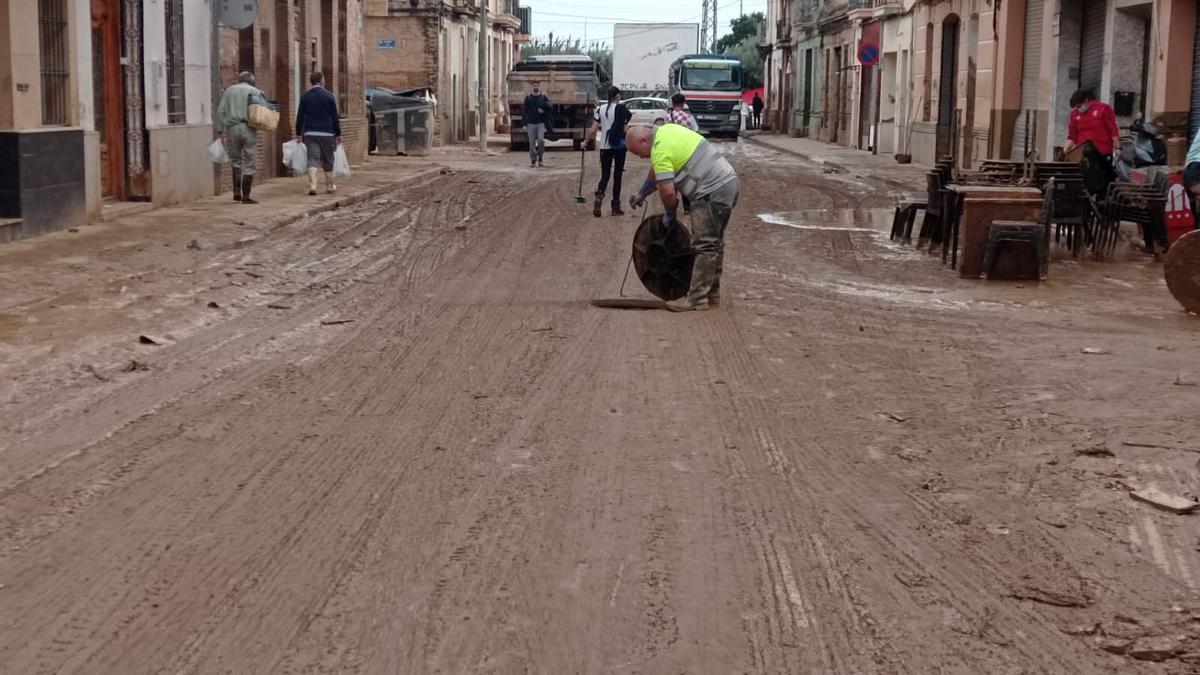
{"points": [[1145, 148]]}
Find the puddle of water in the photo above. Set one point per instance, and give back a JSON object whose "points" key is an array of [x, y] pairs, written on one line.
{"points": [[846, 220]]}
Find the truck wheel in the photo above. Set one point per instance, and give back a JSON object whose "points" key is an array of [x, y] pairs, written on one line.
{"points": [[576, 144]]}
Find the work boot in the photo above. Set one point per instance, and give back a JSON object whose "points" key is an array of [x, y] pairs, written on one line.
{"points": [[237, 185], [247, 183], [312, 181], [686, 304], [616, 209], [596, 207], [330, 188]]}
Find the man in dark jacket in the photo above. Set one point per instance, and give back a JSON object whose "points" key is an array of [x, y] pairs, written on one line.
{"points": [[320, 127], [537, 114], [757, 106]]}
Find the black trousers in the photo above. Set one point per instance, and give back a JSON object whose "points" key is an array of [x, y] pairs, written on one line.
{"points": [[607, 159]]}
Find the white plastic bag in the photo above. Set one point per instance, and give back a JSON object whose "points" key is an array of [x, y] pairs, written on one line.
{"points": [[341, 165], [217, 154], [295, 156]]}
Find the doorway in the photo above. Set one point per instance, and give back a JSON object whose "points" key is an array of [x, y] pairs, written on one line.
{"points": [[948, 87], [108, 89], [808, 68]]}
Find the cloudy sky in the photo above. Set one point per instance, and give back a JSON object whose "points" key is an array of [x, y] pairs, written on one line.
{"points": [[594, 20]]}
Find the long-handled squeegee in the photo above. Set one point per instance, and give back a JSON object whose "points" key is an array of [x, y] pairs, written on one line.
{"points": [[579, 198]]}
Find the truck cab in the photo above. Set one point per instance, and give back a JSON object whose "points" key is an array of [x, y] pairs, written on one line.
{"points": [[712, 84], [571, 82]]}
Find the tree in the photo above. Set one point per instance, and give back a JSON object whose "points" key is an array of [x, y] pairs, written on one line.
{"points": [[599, 53], [752, 61], [742, 42], [745, 26]]}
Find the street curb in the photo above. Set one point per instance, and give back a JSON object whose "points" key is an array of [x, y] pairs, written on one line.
{"points": [[892, 182], [348, 200]]}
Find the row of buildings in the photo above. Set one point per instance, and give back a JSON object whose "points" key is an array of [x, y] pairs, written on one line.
{"points": [[108, 101], [975, 79]]}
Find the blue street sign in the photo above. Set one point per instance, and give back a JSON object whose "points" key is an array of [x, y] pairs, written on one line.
{"points": [[868, 53], [387, 44]]}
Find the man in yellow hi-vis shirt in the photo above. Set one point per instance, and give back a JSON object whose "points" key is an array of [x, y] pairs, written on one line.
{"points": [[682, 162]]}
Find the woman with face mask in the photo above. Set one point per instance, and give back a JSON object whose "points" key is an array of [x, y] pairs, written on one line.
{"points": [[1095, 122]]}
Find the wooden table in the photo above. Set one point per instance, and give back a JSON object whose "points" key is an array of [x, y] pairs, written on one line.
{"points": [[980, 205]]}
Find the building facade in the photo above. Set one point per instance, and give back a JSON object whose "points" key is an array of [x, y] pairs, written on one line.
{"points": [[103, 100], [806, 45], [435, 43], [974, 79]]}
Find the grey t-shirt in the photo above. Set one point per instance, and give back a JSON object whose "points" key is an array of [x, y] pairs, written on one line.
{"points": [[704, 173]]}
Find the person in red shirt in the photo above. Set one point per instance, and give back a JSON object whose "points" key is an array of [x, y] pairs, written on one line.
{"points": [[1094, 122]]}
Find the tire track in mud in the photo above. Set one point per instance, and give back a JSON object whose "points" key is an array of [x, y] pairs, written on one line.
{"points": [[270, 476], [973, 594]]}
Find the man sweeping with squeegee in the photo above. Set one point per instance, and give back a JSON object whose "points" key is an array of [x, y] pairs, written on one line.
{"points": [[682, 162]]}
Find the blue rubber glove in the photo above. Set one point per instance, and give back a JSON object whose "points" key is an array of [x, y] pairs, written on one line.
{"points": [[668, 217], [636, 200]]}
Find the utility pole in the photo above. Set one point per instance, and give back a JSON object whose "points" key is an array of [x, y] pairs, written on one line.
{"points": [[715, 36], [704, 25], [483, 73]]}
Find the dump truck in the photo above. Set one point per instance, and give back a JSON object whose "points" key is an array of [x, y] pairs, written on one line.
{"points": [[571, 82]]}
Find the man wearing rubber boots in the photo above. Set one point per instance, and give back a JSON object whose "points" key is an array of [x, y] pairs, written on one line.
{"points": [[683, 163]]}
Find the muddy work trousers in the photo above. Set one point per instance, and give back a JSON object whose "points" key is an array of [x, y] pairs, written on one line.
{"points": [[612, 162], [241, 142], [710, 215]]}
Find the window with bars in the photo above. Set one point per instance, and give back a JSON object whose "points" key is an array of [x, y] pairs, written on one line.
{"points": [[52, 31], [176, 77]]}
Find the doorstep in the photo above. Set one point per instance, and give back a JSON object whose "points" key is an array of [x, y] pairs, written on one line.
{"points": [[110, 211]]}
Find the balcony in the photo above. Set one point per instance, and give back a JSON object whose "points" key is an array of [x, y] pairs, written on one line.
{"points": [[783, 32], [873, 9]]}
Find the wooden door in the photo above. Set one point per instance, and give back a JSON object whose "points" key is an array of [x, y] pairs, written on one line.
{"points": [[108, 95]]}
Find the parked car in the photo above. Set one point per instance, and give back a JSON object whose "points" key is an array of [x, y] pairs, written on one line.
{"points": [[648, 110]]}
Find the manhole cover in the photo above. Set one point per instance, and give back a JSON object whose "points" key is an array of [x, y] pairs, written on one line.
{"points": [[1182, 270], [662, 257]]}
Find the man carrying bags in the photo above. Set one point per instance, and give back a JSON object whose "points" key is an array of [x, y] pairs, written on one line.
{"points": [[319, 126], [241, 139]]}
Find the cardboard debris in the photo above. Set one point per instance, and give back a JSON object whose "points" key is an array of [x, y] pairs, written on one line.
{"points": [[1162, 500]]}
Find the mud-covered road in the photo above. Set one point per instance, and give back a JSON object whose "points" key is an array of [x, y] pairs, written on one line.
{"points": [[400, 440]]}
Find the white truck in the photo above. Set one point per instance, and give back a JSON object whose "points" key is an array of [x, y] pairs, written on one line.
{"points": [[643, 53]]}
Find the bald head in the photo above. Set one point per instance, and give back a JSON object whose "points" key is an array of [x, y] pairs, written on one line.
{"points": [[246, 77], [638, 139]]}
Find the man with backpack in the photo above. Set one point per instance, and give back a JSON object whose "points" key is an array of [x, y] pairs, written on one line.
{"points": [[609, 121]]}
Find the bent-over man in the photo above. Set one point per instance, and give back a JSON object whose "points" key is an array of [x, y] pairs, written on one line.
{"points": [[683, 163]]}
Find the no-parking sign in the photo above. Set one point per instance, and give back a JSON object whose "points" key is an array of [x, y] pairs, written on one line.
{"points": [[868, 53]]}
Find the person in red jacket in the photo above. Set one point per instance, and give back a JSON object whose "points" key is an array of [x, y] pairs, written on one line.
{"points": [[1094, 122]]}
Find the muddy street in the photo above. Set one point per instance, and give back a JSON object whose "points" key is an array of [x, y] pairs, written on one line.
{"points": [[403, 441]]}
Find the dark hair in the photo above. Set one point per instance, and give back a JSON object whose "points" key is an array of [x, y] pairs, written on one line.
{"points": [[613, 92], [1082, 96], [677, 99], [316, 78]]}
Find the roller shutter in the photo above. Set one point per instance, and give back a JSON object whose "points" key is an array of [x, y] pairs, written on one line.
{"points": [[1091, 53], [1031, 69]]}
